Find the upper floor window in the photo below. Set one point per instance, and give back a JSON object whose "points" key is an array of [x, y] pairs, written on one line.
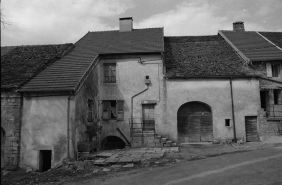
{"points": [[275, 70], [110, 73], [90, 110], [113, 110]]}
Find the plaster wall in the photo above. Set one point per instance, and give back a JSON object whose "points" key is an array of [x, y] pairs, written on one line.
{"points": [[44, 127], [86, 131], [11, 103], [217, 94], [130, 75]]}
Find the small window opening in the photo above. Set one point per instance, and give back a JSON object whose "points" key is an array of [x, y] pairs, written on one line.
{"points": [[147, 77], [113, 109], [90, 110], [277, 97], [275, 70], [45, 157], [227, 122]]}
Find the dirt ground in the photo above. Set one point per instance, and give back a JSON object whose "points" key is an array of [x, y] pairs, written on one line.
{"points": [[68, 174]]}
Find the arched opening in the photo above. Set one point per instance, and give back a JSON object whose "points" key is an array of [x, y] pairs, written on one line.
{"points": [[112, 142], [194, 123], [3, 140]]}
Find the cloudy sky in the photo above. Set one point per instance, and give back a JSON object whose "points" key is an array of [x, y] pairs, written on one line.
{"points": [[65, 21]]}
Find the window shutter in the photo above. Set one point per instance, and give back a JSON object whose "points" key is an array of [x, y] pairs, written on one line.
{"points": [[268, 69], [120, 111], [106, 110]]}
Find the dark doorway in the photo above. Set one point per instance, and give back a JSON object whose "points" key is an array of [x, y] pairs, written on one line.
{"points": [[194, 123], [263, 99], [251, 128], [112, 142], [45, 157]]}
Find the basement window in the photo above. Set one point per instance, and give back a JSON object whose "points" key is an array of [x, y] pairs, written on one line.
{"points": [[227, 122], [113, 110]]}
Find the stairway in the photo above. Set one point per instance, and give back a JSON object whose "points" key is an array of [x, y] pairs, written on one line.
{"points": [[150, 139]]}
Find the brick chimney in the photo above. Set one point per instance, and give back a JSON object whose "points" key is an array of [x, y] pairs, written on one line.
{"points": [[125, 24], [238, 26]]}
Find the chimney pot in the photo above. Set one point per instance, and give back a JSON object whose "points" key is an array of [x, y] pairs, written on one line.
{"points": [[238, 26], [125, 24]]}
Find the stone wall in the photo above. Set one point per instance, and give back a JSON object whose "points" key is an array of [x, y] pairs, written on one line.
{"points": [[11, 104]]}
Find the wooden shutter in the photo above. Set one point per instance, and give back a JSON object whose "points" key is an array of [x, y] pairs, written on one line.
{"points": [[90, 110], [106, 110], [106, 73], [120, 110], [113, 73]]}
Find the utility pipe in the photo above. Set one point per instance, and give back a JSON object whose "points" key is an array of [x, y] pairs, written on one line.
{"points": [[233, 116], [132, 101], [68, 128]]}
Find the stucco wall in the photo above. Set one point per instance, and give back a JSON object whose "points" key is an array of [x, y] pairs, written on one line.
{"points": [[44, 127], [216, 93], [10, 123], [86, 131], [130, 75]]}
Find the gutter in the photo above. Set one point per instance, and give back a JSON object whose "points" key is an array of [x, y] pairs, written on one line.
{"points": [[68, 127], [233, 115]]}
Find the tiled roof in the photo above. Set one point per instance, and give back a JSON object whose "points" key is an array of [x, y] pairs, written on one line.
{"points": [[253, 46], [66, 73], [114, 42], [274, 37], [21, 63], [202, 56]]}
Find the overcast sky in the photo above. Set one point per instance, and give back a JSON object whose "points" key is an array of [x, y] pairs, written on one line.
{"points": [[33, 22]]}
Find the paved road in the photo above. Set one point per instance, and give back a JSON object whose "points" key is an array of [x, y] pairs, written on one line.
{"points": [[250, 168]]}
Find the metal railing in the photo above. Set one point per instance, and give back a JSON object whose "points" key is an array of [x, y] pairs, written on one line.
{"points": [[273, 111], [141, 125]]}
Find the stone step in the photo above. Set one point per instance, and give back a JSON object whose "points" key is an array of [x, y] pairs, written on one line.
{"points": [[169, 142]]}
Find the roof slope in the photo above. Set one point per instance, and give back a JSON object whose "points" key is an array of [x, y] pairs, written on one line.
{"points": [[253, 46], [66, 73], [274, 37], [19, 64], [202, 56]]}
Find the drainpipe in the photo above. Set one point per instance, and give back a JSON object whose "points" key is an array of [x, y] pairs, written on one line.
{"points": [[68, 127], [132, 101], [233, 116]]}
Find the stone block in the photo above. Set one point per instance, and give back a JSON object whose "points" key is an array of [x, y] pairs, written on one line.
{"points": [[125, 160], [112, 160], [99, 162], [86, 146], [104, 154], [131, 165]]}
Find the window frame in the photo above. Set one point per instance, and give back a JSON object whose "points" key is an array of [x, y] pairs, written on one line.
{"points": [[90, 110], [112, 72], [107, 111]]}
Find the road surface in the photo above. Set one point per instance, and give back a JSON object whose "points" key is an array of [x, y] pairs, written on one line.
{"points": [[259, 167]]}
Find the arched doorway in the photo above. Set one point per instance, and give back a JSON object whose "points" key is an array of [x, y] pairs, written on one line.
{"points": [[194, 123], [3, 139], [112, 142]]}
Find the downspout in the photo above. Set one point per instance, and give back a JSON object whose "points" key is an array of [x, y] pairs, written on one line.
{"points": [[68, 127], [233, 116], [132, 101]]}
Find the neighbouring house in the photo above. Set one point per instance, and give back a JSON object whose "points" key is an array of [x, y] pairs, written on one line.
{"points": [[211, 93], [262, 51], [19, 64]]}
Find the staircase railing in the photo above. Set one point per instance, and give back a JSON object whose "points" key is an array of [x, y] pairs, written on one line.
{"points": [[140, 125]]}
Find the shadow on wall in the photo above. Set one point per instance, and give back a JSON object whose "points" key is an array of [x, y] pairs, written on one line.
{"points": [[112, 142]]}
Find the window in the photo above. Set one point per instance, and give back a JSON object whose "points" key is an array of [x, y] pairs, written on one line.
{"points": [[277, 96], [90, 110], [113, 110], [109, 73], [227, 122], [275, 70]]}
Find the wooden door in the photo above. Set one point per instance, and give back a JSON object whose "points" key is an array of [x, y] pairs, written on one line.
{"points": [[251, 128], [194, 123], [148, 117]]}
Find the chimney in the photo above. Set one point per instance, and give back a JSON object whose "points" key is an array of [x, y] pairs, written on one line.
{"points": [[238, 26], [125, 24]]}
